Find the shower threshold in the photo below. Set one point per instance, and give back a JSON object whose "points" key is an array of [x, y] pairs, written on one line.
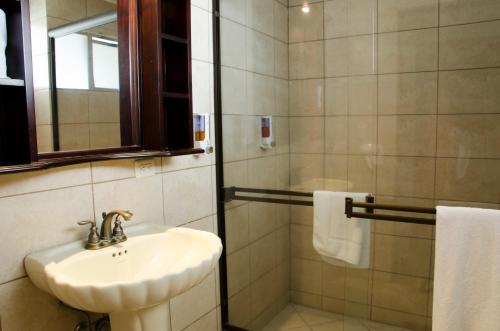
{"points": [[299, 318]]}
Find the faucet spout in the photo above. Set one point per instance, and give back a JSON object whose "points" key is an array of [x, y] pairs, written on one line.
{"points": [[108, 220]]}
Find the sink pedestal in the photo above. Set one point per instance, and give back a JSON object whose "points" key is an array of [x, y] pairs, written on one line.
{"points": [[156, 318]]}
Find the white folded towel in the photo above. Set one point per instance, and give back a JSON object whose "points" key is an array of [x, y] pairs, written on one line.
{"points": [[337, 238], [467, 270]]}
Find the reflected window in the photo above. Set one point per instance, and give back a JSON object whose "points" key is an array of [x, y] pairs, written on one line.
{"points": [[72, 62], [105, 63]]}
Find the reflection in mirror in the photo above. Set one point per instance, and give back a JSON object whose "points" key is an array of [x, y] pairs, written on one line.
{"points": [[76, 74]]}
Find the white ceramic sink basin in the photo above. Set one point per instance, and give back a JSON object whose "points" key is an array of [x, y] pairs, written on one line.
{"points": [[131, 281]]}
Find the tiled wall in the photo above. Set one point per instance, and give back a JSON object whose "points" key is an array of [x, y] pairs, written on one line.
{"points": [[40, 210], [88, 119], [254, 38], [400, 99]]}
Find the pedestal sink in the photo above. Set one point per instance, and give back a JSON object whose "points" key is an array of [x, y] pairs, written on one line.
{"points": [[131, 281]]}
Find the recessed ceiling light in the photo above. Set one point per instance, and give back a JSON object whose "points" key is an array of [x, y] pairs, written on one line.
{"points": [[305, 8]]}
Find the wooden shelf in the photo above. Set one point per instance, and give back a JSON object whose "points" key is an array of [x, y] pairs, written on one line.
{"points": [[11, 82], [167, 93], [176, 95], [174, 38], [17, 126]]}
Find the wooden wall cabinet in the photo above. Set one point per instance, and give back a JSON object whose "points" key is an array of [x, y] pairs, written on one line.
{"points": [[166, 74], [17, 117], [155, 36]]}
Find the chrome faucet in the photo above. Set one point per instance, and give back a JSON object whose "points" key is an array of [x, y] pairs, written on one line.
{"points": [[107, 237]]}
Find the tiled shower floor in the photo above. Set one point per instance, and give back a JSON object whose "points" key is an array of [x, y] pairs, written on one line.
{"points": [[300, 318]]}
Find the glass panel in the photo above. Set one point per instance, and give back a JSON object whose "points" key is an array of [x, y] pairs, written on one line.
{"points": [[360, 101]]}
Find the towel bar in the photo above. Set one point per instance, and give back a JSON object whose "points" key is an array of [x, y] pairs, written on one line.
{"points": [[230, 194]]}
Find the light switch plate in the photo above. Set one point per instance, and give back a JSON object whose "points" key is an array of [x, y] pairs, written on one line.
{"points": [[144, 168]]}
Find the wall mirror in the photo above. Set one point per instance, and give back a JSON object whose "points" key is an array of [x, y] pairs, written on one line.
{"points": [[85, 74]]}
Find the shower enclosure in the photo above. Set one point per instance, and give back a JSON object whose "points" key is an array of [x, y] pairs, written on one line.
{"points": [[394, 98]]}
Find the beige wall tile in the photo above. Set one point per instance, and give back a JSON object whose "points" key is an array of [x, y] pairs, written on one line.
{"points": [[260, 15], [306, 60], [403, 255], [207, 322], [406, 176], [301, 215], [281, 59], [25, 307], [468, 180], [104, 171], [306, 299], [357, 285], [282, 247], [387, 289], [407, 14], [307, 97], [233, 90], [44, 180], [357, 310], [467, 11], [260, 52], [237, 228], [105, 135], [262, 219], [393, 317], [262, 172], [350, 17], [36, 221], [306, 171], [44, 137], [262, 292], [408, 51], [469, 91], [408, 135], [233, 44], [43, 107], [235, 138], [74, 137], [469, 46], [200, 39], [305, 26], [238, 271], [142, 196], [334, 279], [362, 135], [282, 135], [193, 304], [353, 95], [105, 107], [333, 305], [336, 170], [307, 134], [262, 256], [306, 276], [281, 21], [351, 56], [187, 195], [336, 134], [413, 93], [301, 242], [260, 94], [234, 10], [469, 136], [362, 173], [239, 308]]}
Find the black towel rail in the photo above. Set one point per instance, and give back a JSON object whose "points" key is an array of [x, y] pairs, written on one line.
{"points": [[231, 193]]}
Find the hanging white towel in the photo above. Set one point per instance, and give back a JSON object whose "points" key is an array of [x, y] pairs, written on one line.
{"points": [[337, 238], [467, 270]]}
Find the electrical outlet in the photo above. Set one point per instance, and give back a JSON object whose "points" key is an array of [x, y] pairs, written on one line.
{"points": [[145, 168]]}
